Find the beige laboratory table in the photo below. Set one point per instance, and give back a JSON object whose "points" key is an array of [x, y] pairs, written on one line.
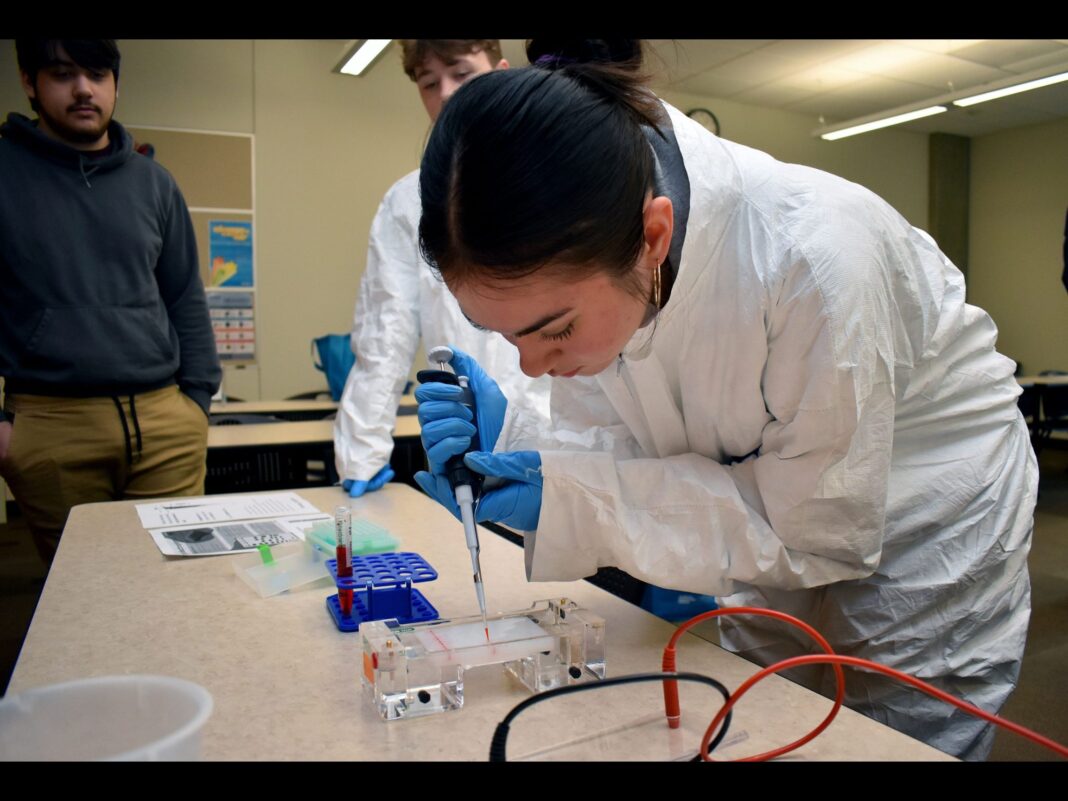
{"points": [[286, 683], [294, 453]]}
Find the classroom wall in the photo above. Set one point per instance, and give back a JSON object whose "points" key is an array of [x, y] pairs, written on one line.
{"points": [[1019, 194], [328, 146]]}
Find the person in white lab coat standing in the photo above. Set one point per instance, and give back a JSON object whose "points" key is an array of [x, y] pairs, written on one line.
{"points": [[402, 301], [775, 391]]}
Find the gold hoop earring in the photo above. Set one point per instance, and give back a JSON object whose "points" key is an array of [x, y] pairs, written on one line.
{"points": [[656, 287]]}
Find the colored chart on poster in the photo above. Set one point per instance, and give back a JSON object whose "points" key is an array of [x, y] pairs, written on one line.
{"points": [[231, 253], [234, 323]]}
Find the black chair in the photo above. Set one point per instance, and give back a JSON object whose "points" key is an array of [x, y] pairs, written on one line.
{"points": [[1029, 402], [1054, 416]]}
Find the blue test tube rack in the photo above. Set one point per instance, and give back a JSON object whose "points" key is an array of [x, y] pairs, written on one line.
{"points": [[382, 589]]}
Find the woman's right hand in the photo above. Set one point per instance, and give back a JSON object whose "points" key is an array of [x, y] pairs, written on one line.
{"points": [[446, 424]]}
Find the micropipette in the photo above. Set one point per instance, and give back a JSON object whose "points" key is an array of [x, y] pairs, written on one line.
{"points": [[466, 485]]}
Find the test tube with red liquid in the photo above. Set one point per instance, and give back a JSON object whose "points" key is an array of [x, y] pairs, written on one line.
{"points": [[343, 535]]}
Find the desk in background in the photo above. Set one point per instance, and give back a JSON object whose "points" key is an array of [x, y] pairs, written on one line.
{"points": [[1045, 407], [1042, 380], [297, 409], [286, 683], [284, 409], [251, 456]]}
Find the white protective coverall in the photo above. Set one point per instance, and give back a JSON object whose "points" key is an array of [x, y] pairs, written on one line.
{"points": [[819, 424], [400, 301]]}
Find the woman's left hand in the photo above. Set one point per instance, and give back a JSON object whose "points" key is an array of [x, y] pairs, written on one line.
{"points": [[517, 503]]}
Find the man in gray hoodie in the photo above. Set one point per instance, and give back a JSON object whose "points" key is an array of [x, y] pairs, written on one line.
{"points": [[106, 347]]}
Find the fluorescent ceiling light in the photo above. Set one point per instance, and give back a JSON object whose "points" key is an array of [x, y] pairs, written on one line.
{"points": [[885, 122], [1011, 90], [936, 105], [363, 56]]}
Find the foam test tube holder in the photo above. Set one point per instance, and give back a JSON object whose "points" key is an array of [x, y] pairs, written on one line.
{"points": [[416, 670]]}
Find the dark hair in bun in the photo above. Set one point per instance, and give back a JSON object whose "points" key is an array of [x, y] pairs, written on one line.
{"points": [[545, 166]]}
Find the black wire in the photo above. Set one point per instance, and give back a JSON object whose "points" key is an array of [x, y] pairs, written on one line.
{"points": [[500, 736]]}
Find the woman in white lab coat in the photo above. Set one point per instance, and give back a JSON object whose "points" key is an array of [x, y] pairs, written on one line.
{"points": [[768, 386]]}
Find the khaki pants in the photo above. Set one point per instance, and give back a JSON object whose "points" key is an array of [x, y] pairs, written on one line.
{"points": [[69, 451]]}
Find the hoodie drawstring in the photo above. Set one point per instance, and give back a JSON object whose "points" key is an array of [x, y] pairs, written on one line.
{"points": [[85, 175], [126, 428]]}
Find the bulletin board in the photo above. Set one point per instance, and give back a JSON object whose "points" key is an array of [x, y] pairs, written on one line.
{"points": [[214, 170]]}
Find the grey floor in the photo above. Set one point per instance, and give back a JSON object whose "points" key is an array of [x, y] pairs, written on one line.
{"points": [[1038, 703]]}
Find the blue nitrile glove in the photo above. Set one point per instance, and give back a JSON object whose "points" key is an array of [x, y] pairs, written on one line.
{"points": [[436, 485], [446, 423], [518, 502], [357, 488], [444, 437]]}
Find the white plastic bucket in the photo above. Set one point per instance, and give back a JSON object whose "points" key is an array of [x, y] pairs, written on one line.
{"points": [[132, 718]]}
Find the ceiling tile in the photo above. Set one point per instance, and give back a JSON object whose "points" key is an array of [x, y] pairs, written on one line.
{"points": [[755, 68], [885, 58], [825, 78], [1048, 99], [845, 79], [678, 59], [938, 45], [977, 121], [712, 84], [777, 94], [860, 99], [1052, 59], [814, 51], [945, 73], [1002, 52]]}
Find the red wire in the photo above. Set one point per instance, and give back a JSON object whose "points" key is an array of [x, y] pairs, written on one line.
{"points": [[671, 705], [813, 659]]}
